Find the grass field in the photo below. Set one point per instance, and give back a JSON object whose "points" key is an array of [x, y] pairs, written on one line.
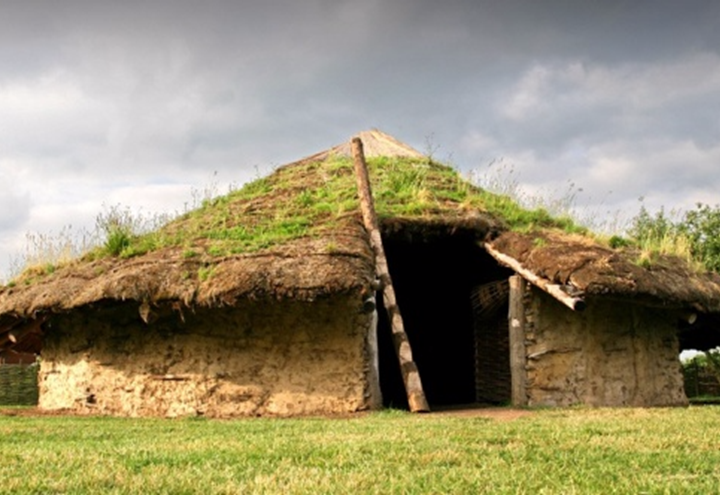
{"points": [[548, 451]]}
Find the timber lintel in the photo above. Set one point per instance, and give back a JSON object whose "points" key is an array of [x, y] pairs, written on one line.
{"points": [[574, 302]]}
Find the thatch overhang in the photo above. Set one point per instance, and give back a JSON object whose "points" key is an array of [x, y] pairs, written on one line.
{"points": [[330, 255], [583, 268], [329, 252], [301, 270]]}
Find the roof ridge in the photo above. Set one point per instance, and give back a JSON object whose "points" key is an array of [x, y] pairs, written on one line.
{"points": [[376, 143]]}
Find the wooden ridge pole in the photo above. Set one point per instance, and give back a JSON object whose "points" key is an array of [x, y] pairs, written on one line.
{"points": [[408, 368]]}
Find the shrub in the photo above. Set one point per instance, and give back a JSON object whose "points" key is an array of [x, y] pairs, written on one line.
{"points": [[702, 227], [694, 237]]}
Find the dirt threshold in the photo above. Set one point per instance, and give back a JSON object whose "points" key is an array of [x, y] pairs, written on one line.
{"points": [[482, 411]]}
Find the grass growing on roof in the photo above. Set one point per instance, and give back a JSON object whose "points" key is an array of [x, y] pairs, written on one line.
{"points": [[307, 199], [550, 451]]}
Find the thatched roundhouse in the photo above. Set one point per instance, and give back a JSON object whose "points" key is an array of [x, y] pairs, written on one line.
{"points": [[260, 303]]}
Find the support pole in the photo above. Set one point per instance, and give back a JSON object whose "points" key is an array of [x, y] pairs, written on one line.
{"points": [[516, 327], [411, 376], [5, 333], [15, 336], [16, 332]]}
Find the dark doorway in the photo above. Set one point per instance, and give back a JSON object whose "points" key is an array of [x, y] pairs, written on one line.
{"points": [[434, 274], [702, 335]]}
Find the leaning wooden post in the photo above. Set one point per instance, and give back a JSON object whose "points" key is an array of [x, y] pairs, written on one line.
{"points": [[410, 374], [573, 302]]}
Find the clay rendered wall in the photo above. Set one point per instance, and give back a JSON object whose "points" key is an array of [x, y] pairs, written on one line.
{"points": [[611, 354], [257, 359]]}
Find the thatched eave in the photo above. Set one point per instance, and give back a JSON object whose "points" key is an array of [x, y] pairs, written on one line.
{"points": [[302, 271], [597, 271], [480, 226]]}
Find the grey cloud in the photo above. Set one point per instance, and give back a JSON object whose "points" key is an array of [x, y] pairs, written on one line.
{"points": [[183, 87], [14, 209]]}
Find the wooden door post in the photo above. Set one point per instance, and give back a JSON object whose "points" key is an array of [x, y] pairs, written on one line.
{"points": [[516, 324], [408, 368]]}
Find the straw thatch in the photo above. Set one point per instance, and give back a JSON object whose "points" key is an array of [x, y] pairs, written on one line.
{"points": [[299, 270], [585, 267], [331, 253], [329, 258]]}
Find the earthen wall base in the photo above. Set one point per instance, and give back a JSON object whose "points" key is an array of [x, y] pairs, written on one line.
{"points": [[260, 358], [612, 354]]}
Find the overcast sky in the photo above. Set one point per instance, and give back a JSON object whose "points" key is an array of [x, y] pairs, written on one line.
{"points": [[140, 103]]}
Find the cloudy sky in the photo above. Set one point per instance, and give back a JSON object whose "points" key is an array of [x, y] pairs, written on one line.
{"points": [[146, 104]]}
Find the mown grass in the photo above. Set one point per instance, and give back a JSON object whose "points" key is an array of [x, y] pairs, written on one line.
{"points": [[568, 451]]}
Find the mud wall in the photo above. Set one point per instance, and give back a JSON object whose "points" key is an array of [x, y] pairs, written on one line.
{"points": [[612, 354], [271, 358]]}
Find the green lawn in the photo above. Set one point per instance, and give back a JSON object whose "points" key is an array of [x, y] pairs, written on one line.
{"points": [[548, 451]]}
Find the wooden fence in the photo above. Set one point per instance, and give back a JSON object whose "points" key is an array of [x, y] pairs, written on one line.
{"points": [[18, 384], [700, 381]]}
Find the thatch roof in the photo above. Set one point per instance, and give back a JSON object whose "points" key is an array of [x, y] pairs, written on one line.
{"points": [[294, 234], [375, 144], [298, 234], [586, 268]]}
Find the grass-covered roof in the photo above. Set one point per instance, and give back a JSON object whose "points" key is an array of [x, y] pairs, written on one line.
{"points": [[297, 233]]}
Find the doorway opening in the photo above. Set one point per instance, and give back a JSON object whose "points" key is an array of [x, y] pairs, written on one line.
{"points": [[434, 273], [700, 372]]}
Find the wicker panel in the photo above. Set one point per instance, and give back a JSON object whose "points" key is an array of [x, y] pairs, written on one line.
{"points": [[492, 346], [18, 385], [699, 381], [488, 299]]}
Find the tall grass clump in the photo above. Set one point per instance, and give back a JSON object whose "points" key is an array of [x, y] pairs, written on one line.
{"points": [[693, 235], [402, 186], [126, 233], [118, 231], [118, 226], [658, 234], [504, 196], [45, 252]]}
